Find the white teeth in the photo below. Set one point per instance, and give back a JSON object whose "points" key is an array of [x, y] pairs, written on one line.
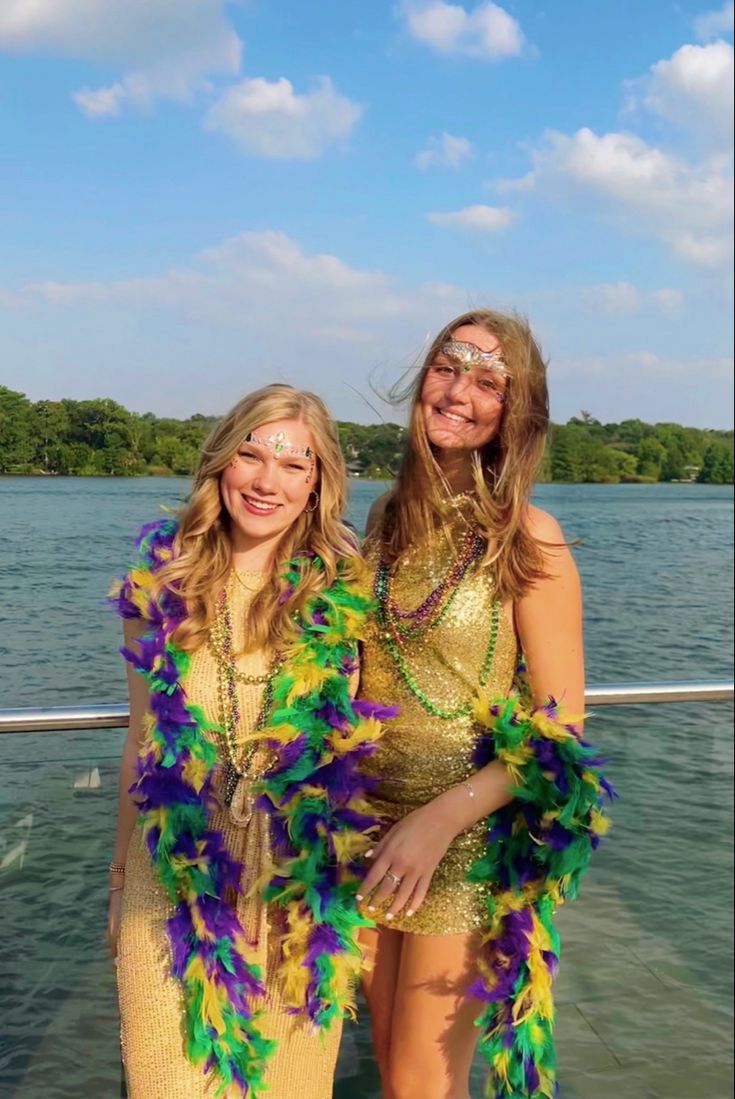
{"points": [[451, 416], [259, 506]]}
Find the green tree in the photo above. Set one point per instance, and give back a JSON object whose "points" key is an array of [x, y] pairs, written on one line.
{"points": [[50, 425], [567, 459], [651, 454], [16, 432], [717, 465]]}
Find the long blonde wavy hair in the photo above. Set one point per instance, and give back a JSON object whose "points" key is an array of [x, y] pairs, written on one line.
{"points": [[203, 547], [503, 471]]}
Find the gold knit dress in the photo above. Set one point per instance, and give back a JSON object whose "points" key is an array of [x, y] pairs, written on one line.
{"points": [[151, 1011], [421, 754]]}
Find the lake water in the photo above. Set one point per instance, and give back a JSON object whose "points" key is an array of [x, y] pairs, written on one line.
{"points": [[657, 569]]}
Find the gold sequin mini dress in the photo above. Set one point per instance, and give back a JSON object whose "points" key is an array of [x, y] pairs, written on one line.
{"points": [[421, 754], [151, 1009]]}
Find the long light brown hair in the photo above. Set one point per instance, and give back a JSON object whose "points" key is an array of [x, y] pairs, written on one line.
{"points": [[503, 471], [203, 545]]}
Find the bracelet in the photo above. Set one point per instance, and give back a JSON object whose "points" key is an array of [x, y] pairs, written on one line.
{"points": [[466, 782], [116, 868], [116, 889]]}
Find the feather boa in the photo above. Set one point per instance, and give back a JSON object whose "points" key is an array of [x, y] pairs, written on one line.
{"points": [[314, 794], [539, 847]]}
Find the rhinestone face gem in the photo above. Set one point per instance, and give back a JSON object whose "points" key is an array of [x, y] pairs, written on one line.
{"points": [[280, 444], [467, 355]]}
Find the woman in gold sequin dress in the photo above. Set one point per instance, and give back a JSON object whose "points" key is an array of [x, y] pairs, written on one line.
{"points": [[221, 964], [467, 575]]}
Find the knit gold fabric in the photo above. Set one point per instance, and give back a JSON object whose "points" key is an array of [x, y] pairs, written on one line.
{"points": [[421, 755], [151, 1012]]}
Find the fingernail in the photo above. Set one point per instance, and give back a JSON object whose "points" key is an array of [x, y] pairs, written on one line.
{"points": [[369, 854], [410, 912], [358, 896], [389, 915], [371, 908]]}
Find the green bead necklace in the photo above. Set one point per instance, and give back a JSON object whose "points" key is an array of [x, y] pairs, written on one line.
{"points": [[389, 639]]}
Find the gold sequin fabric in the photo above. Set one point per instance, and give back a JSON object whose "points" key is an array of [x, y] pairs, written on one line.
{"points": [[151, 1009], [421, 755]]}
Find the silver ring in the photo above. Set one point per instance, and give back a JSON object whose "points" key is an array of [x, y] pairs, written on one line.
{"points": [[393, 877]]}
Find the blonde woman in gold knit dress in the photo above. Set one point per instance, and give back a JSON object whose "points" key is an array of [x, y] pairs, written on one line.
{"points": [[467, 575], [213, 970]]}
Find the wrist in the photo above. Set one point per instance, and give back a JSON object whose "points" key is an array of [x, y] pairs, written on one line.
{"points": [[455, 808], [116, 876]]}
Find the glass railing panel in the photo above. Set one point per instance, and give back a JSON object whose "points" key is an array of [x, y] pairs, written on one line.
{"points": [[645, 990], [58, 800]]}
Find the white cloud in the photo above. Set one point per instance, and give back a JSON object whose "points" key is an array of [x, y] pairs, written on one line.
{"points": [[688, 206], [486, 219], [272, 120], [445, 151], [163, 49], [260, 307], [668, 299], [644, 384], [278, 253], [488, 32], [622, 297], [255, 307], [637, 364], [252, 280], [613, 297], [714, 23], [694, 89], [678, 196]]}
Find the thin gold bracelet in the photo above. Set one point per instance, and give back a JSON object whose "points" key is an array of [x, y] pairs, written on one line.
{"points": [[116, 868], [116, 889]]}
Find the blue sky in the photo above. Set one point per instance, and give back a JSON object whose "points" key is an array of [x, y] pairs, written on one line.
{"points": [[198, 196]]}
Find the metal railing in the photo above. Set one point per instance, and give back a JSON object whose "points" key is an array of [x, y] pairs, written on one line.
{"points": [[72, 718]]}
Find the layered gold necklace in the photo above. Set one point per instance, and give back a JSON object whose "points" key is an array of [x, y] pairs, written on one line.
{"points": [[237, 793]]}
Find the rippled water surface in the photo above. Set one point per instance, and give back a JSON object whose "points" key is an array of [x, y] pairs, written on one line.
{"points": [[653, 929]]}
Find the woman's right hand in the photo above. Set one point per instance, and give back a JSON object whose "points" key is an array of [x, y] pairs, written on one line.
{"points": [[114, 908]]}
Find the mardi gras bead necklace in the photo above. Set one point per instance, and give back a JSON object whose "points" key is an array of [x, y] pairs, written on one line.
{"points": [[394, 632], [411, 625], [237, 794]]}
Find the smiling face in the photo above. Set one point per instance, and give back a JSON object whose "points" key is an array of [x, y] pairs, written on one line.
{"points": [[463, 392], [267, 485]]}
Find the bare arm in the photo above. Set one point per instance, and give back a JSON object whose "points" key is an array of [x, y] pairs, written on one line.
{"points": [[133, 628], [549, 622]]}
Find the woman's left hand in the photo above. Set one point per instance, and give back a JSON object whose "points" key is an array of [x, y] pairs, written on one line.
{"points": [[404, 861]]}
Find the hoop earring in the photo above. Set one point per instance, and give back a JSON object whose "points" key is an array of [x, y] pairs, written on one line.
{"points": [[316, 502]]}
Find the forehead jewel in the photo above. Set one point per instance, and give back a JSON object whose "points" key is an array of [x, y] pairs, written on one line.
{"points": [[467, 354], [280, 444]]}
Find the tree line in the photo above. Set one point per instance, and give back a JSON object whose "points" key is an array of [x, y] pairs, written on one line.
{"points": [[102, 438]]}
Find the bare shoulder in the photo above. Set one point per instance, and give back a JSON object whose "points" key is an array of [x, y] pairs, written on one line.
{"points": [[543, 526], [376, 513], [552, 541]]}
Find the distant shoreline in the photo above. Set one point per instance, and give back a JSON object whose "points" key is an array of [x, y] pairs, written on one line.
{"points": [[101, 438], [350, 477]]}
